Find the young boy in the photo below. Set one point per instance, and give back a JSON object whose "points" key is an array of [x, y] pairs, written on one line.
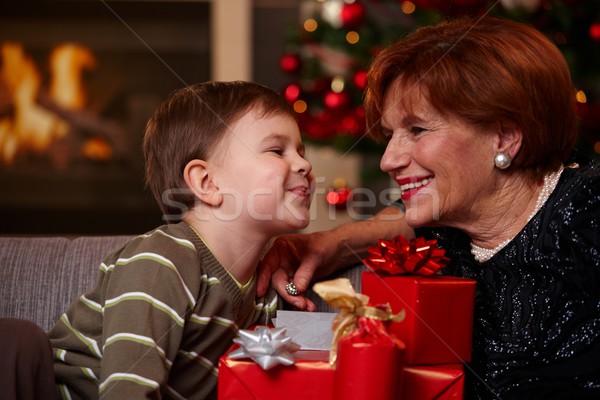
{"points": [[228, 160]]}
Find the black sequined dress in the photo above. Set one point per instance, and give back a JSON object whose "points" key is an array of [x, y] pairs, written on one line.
{"points": [[537, 307]]}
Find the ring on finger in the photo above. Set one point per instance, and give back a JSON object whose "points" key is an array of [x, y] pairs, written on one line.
{"points": [[291, 289]]}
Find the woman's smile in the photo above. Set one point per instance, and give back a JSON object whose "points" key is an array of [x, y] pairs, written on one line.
{"points": [[410, 186]]}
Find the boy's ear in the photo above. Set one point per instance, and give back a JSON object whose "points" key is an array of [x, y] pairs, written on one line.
{"points": [[509, 139], [198, 176]]}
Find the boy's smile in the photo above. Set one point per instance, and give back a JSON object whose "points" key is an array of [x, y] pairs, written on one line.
{"points": [[264, 175]]}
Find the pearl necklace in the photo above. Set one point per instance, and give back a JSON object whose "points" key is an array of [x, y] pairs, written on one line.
{"points": [[482, 254]]}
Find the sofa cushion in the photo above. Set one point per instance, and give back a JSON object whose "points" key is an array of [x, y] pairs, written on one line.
{"points": [[40, 277]]}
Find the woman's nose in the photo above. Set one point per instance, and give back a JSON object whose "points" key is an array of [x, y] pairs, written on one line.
{"points": [[394, 157]]}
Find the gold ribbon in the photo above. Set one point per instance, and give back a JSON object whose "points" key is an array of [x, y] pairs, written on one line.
{"points": [[339, 293]]}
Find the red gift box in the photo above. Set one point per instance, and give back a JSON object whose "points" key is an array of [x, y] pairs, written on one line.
{"points": [[438, 325], [440, 382], [369, 362], [311, 377]]}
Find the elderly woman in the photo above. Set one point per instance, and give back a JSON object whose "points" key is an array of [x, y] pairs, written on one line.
{"points": [[479, 120]]}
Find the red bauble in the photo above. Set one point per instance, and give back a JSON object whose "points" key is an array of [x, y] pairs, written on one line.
{"points": [[319, 126], [353, 121], [290, 63], [352, 15], [335, 100], [360, 79], [349, 124], [339, 197], [359, 111], [359, 117], [292, 92], [595, 31]]}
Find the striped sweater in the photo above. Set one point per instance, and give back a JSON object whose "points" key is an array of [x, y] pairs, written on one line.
{"points": [[162, 313]]}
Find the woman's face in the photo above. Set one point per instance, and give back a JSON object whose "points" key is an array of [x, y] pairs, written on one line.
{"points": [[443, 165]]}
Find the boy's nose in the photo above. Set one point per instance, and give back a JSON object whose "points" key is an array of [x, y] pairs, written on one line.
{"points": [[304, 167]]}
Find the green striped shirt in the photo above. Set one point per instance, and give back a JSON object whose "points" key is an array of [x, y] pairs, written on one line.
{"points": [[162, 313]]}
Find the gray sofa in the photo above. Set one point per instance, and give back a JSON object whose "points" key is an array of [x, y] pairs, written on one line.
{"points": [[41, 276]]}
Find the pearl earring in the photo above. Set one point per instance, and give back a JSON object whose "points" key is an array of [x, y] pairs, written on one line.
{"points": [[502, 160]]}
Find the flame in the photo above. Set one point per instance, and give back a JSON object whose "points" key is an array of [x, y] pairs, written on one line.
{"points": [[66, 63], [97, 149], [33, 128]]}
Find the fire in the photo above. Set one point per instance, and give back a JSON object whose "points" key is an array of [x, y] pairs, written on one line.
{"points": [[66, 64], [31, 127]]}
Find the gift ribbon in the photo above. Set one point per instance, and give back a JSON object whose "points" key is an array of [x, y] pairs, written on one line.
{"points": [[266, 346], [339, 293], [401, 256]]}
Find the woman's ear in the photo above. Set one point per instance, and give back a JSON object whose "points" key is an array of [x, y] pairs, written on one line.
{"points": [[509, 139], [198, 176]]}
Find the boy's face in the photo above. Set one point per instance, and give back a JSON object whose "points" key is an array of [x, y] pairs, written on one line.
{"points": [[263, 175]]}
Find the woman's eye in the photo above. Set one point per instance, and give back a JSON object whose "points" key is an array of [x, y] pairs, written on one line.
{"points": [[415, 130], [387, 134]]}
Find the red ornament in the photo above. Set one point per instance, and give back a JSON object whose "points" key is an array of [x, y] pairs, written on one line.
{"points": [[334, 100], [339, 197], [352, 15], [292, 92], [401, 256], [359, 117], [595, 31], [350, 124], [352, 121], [360, 79], [319, 126], [359, 111], [290, 63]]}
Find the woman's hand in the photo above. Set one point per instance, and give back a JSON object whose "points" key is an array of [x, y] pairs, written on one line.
{"points": [[297, 258]]}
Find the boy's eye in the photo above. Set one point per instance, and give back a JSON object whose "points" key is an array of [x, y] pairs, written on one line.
{"points": [[277, 151]]}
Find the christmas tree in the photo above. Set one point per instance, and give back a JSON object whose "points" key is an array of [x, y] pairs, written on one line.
{"points": [[328, 54]]}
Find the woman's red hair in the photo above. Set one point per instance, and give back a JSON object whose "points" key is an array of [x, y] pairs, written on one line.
{"points": [[485, 71]]}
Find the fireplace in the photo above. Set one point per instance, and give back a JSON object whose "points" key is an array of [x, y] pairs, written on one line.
{"points": [[78, 81]]}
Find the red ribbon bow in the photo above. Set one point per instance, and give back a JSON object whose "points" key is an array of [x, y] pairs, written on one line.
{"points": [[401, 256]]}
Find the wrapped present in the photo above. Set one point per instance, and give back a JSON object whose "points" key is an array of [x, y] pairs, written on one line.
{"points": [[401, 256], [264, 363], [438, 324], [368, 364], [311, 330], [440, 382], [367, 358], [268, 347], [310, 377]]}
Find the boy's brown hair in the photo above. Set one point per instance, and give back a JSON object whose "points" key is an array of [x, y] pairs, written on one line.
{"points": [[191, 124]]}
